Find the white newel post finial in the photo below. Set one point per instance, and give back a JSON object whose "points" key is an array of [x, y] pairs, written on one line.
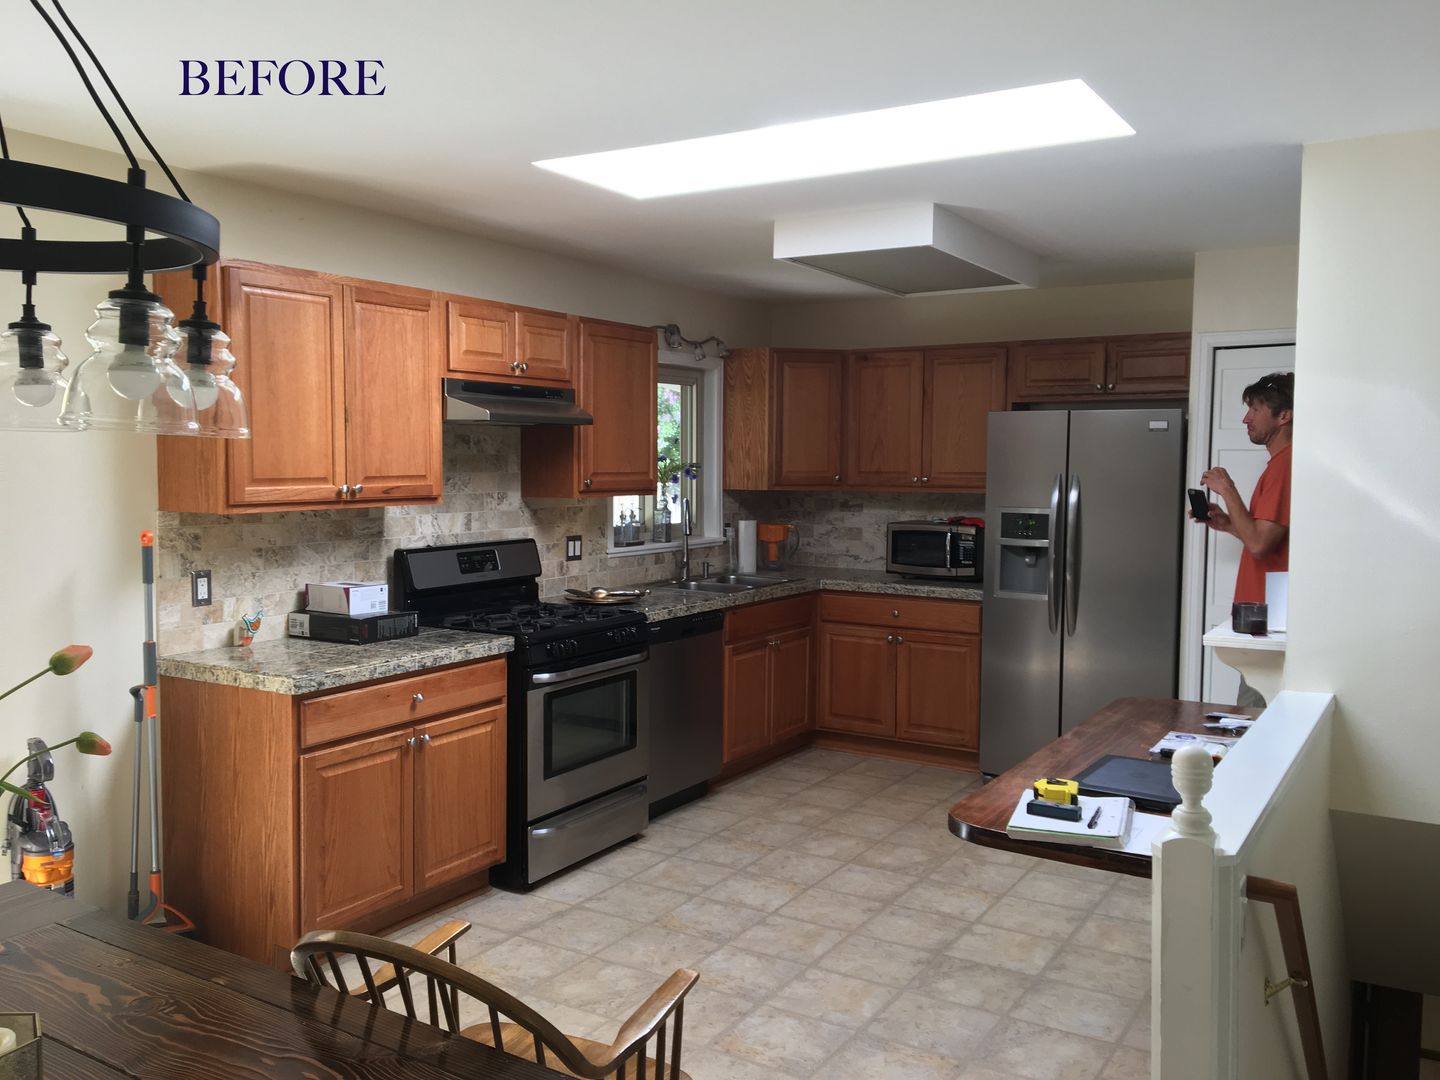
{"points": [[1192, 771]]}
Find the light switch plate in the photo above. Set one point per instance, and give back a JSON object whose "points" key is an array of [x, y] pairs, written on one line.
{"points": [[200, 588], [572, 548]]}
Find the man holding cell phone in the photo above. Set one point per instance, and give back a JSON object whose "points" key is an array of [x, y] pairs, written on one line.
{"points": [[1263, 526]]}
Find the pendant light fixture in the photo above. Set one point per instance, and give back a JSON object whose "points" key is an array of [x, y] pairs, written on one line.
{"points": [[142, 373]]}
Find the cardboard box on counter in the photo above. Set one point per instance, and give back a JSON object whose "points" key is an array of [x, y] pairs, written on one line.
{"points": [[353, 598]]}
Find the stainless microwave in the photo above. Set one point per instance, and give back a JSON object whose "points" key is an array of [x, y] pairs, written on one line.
{"points": [[935, 549]]}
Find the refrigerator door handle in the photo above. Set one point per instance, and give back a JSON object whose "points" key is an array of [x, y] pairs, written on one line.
{"points": [[1052, 584], [1072, 555]]}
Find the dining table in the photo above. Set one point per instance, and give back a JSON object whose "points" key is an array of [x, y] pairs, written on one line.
{"points": [[117, 998]]}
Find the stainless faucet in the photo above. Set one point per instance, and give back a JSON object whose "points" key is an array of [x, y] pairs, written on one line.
{"points": [[685, 526]]}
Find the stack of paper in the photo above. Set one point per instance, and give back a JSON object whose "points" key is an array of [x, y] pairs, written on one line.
{"points": [[1111, 829]]}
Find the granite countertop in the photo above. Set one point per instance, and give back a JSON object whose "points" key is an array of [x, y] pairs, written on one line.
{"points": [[301, 666], [670, 603]]}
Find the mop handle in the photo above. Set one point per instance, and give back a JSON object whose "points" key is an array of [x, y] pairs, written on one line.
{"points": [[147, 577]]}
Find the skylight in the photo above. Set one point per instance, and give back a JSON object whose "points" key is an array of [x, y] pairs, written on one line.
{"points": [[1051, 114]]}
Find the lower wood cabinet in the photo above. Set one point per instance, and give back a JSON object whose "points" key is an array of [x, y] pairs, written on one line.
{"points": [[769, 675], [350, 809], [902, 669]]}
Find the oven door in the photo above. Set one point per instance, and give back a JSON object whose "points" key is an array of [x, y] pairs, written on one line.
{"points": [[585, 733], [919, 551]]}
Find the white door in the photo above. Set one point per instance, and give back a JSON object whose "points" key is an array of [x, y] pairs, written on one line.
{"points": [[1231, 449]]}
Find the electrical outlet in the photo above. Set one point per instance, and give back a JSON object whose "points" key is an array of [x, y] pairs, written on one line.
{"points": [[572, 548], [199, 588]]}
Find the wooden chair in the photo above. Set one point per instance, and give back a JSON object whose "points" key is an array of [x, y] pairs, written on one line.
{"points": [[317, 957]]}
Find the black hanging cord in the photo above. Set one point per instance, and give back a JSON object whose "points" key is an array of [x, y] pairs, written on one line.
{"points": [[120, 101], [80, 70], [5, 153]]}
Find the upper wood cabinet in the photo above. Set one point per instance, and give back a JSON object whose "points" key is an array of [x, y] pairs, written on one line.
{"points": [[783, 419], [1143, 366], [341, 379], [963, 386], [494, 341], [617, 372], [884, 433]]}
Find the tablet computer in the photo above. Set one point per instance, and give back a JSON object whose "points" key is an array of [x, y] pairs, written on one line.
{"points": [[1147, 782]]}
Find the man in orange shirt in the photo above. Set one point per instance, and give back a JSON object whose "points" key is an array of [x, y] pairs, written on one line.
{"points": [[1263, 527]]}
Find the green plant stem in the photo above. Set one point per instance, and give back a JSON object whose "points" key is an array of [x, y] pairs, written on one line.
{"points": [[27, 682], [38, 753]]}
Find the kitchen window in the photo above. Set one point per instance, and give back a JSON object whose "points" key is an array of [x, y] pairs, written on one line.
{"points": [[687, 450]]}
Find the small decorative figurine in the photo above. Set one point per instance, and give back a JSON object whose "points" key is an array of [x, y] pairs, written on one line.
{"points": [[248, 627]]}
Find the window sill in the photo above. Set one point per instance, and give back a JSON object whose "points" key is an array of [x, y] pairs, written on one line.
{"points": [[648, 548]]}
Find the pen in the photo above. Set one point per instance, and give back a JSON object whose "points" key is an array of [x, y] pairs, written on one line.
{"points": [[1094, 818]]}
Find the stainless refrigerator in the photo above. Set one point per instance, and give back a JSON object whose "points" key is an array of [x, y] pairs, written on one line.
{"points": [[1083, 519]]}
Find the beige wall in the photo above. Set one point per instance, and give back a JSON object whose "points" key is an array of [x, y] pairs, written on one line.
{"points": [[1245, 289], [74, 505], [1137, 308], [1365, 553]]}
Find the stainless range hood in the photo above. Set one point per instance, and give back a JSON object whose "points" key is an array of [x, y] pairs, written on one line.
{"points": [[468, 401]]}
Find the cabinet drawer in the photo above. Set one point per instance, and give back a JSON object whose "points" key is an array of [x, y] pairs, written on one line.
{"points": [[400, 701], [764, 620], [960, 616]]}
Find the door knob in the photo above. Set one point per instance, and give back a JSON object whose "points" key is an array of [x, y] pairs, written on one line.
{"points": [[410, 742], [514, 365], [924, 479], [588, 481], [417, 698], [914, 479], [899, 639], [837, 478], [425, 739], [358, 489], [1109, 386], [889, 639], [525, 365], [894, 613], [1100, 388], [344, 490]]}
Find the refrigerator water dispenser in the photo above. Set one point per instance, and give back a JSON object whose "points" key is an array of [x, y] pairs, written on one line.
{"points": [[1024, 545]]}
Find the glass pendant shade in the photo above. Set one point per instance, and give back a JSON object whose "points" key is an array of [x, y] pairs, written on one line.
{"points": [[219, 404], [130, 382], [32, 377]]}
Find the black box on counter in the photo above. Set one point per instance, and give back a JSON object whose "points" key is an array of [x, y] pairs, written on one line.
{"points": [[352, 630]]}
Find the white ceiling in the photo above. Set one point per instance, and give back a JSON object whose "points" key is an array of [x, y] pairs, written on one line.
{"points": [[1222, 94]]}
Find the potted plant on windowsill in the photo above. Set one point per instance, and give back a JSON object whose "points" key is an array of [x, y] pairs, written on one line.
{"points": [[20, 1032]]}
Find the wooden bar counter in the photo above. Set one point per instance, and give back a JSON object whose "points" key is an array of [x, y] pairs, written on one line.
{"points": [[1128, 727]]}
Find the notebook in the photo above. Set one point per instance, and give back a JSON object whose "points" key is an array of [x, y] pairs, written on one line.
{"points": [[1147, 782], [1110, 831]]}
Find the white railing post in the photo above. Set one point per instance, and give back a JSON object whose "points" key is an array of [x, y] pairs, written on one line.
{"points": [[1185, 933]]}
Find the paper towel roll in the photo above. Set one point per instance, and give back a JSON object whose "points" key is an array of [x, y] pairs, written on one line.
{"points": [[747, 546]]}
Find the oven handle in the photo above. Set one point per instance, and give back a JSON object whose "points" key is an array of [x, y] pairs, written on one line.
{"points": [[553, 678], [600, 806]]}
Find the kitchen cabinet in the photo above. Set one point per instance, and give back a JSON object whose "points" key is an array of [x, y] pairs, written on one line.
{"points": [[348, 809], [900, 668], [341, 380], [1153, 366], [963, 386], [884, 419], [783, 419], [487, 340], [616, 378], [769, 675]]}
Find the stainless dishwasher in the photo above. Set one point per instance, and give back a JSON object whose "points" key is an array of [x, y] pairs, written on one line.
{"points": [[687, 681]]}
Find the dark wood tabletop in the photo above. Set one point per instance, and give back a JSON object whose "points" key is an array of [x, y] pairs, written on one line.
{"points": [[117, 999], [1128, 727]]}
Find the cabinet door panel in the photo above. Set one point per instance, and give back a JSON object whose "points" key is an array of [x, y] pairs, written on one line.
{"points": [[791, 680], [459, 796], [857, 680], [288, 330], [392, 393], [883, 431], [1155, 368], [1064, 369], [481, 339], [747, 699], [545, 343], [938, 689], [808, 401], [962, 388], [618, 371], [355, 830]]}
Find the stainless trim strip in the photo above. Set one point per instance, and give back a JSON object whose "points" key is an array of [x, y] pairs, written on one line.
{"points": [[1072, 556], [556, 678], [1052, 584], [634, 793]]}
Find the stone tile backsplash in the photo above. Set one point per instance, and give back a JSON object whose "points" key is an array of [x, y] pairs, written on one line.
{"points": [[264, 560]]}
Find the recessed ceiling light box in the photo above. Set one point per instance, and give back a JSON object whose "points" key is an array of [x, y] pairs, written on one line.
{"points": [[905, 249]]}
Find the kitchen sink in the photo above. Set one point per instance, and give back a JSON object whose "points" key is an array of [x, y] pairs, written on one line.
{"points": [[753, 581], [703, 586]]}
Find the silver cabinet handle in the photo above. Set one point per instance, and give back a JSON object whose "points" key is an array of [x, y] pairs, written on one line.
{"points": [[914, 479], [894, 613], [410, 742], [525, 365], [417, 698], [358, 489], [924, 479], [425, 739], [588, 481], [837, 478], [344, 490], [1109, 387], [899, 639], [514, 365], [1072, 556], [1099, 388], [1057, 533], [889, 639]]}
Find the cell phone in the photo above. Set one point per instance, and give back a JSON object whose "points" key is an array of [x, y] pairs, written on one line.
{"points": [[1199, 504]]}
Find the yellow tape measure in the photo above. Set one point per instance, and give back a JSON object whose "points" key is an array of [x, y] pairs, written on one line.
{"points": [[1063, 792]]}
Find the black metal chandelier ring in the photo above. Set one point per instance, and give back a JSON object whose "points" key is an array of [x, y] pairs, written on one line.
{"points": [[191, 234]]}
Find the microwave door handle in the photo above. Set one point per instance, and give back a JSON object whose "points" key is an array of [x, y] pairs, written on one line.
{"points": [[1052, 580], [951, 540], [1072, 556]]}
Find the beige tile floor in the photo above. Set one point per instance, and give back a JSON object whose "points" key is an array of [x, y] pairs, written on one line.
{"points": [[840, 931]]}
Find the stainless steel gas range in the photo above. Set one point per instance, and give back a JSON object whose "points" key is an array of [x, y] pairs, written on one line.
{"points": [[578, 724]]}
